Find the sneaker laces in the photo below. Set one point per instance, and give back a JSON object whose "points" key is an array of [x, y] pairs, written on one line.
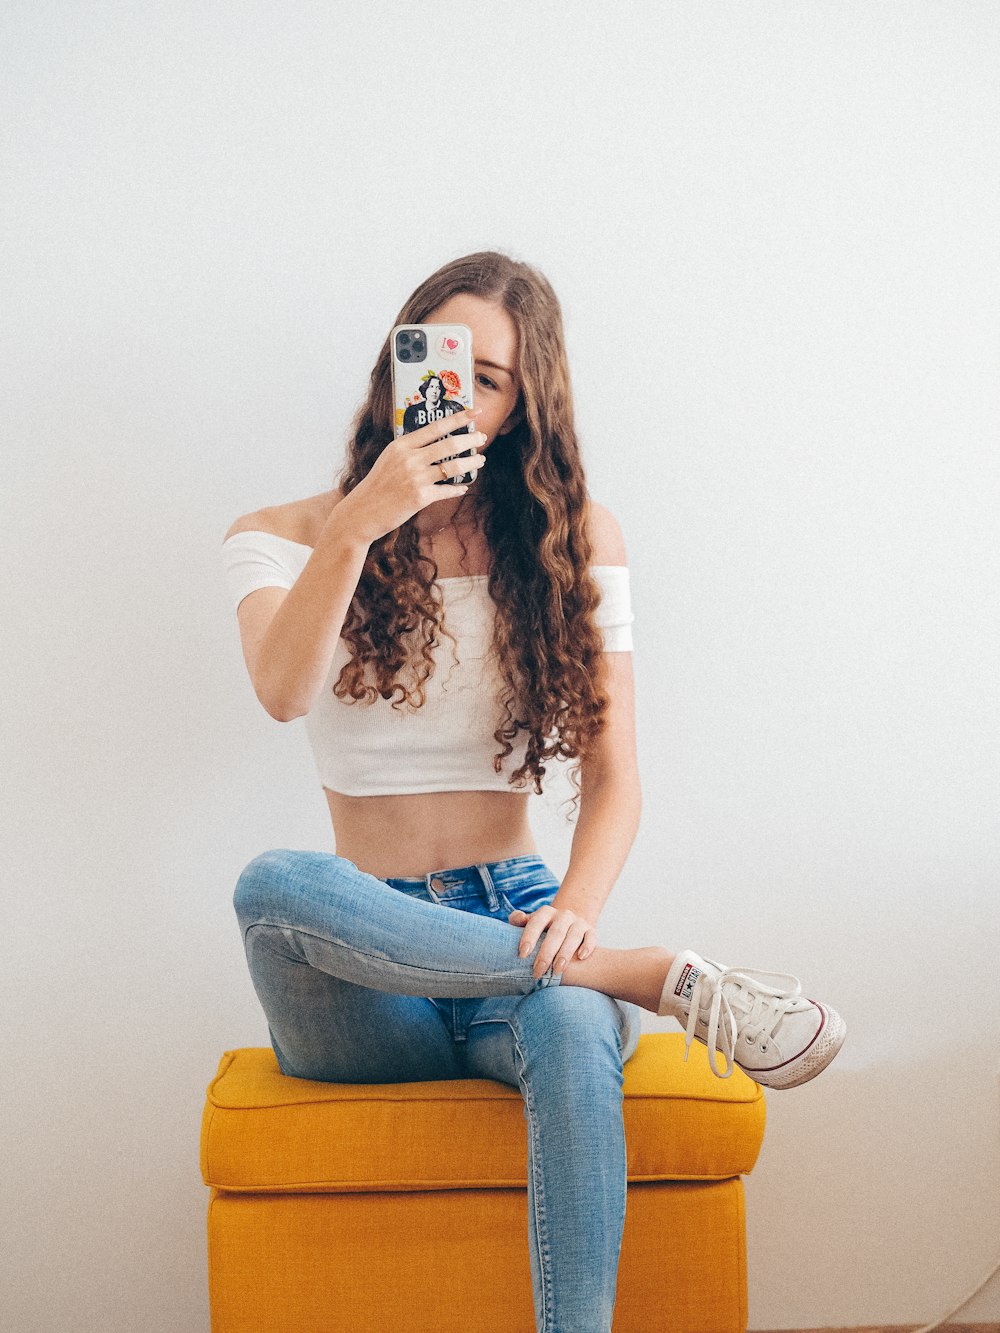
{"points": [[748, 1006]]}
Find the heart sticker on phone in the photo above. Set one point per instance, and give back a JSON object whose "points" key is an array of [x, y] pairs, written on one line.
{"points": [[448, 345]]}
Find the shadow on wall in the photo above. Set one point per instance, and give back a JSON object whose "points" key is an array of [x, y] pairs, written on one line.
{"points": [[883, 1181]]}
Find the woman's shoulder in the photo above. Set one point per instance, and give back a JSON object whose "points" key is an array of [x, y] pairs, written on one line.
{"points": [[605, 535], [302, 521], [296, 521]]}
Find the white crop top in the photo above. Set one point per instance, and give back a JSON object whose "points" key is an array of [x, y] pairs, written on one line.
{"points": [[447, 744]]}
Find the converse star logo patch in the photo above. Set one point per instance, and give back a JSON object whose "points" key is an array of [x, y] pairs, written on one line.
{"points": [[685, 982]]}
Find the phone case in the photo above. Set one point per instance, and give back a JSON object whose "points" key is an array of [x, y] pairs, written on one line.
{"points": [[434, 385]]}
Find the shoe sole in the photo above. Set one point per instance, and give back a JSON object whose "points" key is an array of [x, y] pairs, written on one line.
{"points": [[812, 1062]]}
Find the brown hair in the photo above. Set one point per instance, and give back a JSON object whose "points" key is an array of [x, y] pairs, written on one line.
{"points": [[531, 499]]}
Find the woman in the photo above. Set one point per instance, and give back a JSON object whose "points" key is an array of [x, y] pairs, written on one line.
{"points": [[340, 599]]}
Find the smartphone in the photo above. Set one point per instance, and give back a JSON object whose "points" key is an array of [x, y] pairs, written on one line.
{"points": [[432, 377]]}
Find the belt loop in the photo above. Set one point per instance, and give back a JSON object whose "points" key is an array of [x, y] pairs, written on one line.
{"points": [[492, 900], [431, 891]]}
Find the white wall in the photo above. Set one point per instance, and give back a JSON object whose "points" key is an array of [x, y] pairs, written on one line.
{"points": [[772, 228]]}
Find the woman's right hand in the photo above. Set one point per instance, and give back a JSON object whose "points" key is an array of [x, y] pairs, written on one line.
{"points": [[402, 479]]}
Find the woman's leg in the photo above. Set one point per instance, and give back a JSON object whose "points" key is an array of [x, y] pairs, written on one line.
{"points": [[564, 1047], [354, 926], [303, 912], [332, 1030], [320, 937]]}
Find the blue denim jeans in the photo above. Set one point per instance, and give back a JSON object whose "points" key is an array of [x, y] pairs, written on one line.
{"points": [[364, 980]]}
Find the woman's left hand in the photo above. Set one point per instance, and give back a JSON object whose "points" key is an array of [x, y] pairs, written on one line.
{"points": [[567, 935]]}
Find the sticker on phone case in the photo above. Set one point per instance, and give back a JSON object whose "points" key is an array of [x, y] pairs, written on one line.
{"points": [[449, 345], [436, 397]]}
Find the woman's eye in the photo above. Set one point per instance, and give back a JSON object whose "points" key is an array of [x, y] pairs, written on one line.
{"points": [[488, 380]]}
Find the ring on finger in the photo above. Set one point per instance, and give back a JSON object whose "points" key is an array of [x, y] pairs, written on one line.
{"points": [[444, 474]]}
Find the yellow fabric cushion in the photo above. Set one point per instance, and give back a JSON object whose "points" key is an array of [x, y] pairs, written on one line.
{"points": [[456, 1261], [263, 1132]]}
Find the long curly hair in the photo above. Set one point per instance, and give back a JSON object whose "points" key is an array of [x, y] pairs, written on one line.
{"points": [[531, 502]]}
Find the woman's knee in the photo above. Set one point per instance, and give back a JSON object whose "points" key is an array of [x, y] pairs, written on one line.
{"points": [[274, 876], [568, 1047], [275, 881], [257, 880], [572, 1017]]}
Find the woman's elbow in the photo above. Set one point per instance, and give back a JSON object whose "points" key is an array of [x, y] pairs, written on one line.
{"points": [[277, 707]]}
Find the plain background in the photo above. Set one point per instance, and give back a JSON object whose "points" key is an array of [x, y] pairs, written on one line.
{"points": [[773, 230]]}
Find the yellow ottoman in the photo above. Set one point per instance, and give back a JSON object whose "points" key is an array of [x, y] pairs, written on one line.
{"points": [[377, 1206]]}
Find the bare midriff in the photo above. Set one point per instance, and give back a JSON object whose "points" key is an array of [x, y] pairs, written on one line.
{"points": [[418, 833]]}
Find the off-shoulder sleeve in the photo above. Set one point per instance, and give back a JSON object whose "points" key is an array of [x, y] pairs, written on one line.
{"points": [[614, 615], [255, 560]]}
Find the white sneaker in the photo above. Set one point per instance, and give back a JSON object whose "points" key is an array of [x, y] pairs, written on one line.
{"points": [[774, 1034]]}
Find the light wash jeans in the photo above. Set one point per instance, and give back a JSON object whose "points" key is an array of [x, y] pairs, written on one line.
{"points": [[342, 963]]}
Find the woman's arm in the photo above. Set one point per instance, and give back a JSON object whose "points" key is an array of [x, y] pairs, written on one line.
{"points": [[289, 637], [610, 800], [610, 797]]}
